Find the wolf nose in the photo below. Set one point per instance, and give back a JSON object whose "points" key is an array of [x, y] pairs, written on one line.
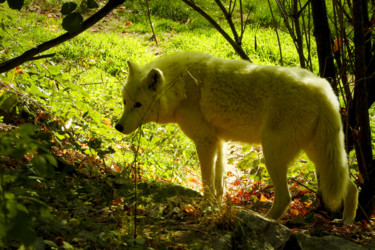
{"points": [[119, 128]]}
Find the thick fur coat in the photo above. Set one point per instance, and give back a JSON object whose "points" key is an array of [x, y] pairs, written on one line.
{"points": [[214, 100]]}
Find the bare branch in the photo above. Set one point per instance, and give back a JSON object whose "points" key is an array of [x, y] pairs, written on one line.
{"points": [[151, 26], [228, 16], [277, 33], [233, 43], [286, 21]]}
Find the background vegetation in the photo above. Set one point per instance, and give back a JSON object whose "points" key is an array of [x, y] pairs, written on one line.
{"points": [[68, 179]]}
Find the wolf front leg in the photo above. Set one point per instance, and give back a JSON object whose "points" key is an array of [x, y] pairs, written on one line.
{"points": [[209, 149]]}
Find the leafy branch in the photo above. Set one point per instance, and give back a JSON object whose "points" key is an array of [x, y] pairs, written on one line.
{"points": [[31, 54]]}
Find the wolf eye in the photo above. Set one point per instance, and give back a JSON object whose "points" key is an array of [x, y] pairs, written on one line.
{"points": [[137, 105]]}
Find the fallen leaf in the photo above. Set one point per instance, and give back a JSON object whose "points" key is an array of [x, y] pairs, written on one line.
{"points": [[263, 198]]}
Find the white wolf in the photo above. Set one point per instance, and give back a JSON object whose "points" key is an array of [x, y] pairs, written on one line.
{"points": [[214, 100]]}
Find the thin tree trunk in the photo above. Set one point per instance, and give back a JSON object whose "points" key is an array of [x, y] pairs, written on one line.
{"points": [[363, 145], [323, 41], [297, 28]]}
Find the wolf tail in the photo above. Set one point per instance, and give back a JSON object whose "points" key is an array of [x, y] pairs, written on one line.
{"points": [[328, 153]]}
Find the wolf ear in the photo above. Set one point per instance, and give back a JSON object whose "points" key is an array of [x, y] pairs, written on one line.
{"points": [[132, 67], [154, 79]]}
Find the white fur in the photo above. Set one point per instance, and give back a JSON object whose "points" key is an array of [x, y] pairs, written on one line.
{"points": [[214, 100]]}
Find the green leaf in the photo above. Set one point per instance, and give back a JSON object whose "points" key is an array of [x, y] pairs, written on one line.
{"points": [[43, 166], [91, 4], [68, 8], [51, 159], [54, 70], [46, 213], [60, 136], [8, 179], [15, 4], [8, 100], [72, 22], [35, 90], [27, 129]]}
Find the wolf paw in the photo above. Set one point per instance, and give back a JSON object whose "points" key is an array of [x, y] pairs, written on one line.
{"points": [[344, 221]]}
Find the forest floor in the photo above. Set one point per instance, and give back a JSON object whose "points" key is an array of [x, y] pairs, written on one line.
{"points": [[95, 206]]}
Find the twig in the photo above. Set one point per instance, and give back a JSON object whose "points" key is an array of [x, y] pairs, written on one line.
{"points": [[243, 23], [95, 83], [291, 32], [299, 183], [15, 40], [152, 27], [277, 33]]}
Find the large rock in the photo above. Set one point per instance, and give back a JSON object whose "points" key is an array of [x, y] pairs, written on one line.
{"points": [[256, 232]]}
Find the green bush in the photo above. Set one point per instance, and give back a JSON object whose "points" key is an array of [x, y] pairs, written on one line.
{"points": [[17, 220]]}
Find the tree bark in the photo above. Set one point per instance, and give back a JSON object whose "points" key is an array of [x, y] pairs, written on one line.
{"points": [[363, 144], [30, 54], [323, 40], [369, 57]]}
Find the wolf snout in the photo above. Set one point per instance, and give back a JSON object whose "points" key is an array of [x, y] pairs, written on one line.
{"points": [[119, 127]]}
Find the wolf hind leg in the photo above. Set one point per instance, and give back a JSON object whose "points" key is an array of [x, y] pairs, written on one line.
{"points": [[334, 180], [350, 203], [278, 153]]}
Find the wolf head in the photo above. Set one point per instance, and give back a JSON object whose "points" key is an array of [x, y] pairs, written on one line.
{"points": [[140, 97]]}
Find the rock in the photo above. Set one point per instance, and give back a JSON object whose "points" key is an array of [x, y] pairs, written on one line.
{"points": [[256, 232], [327, 242], [253, 231]]}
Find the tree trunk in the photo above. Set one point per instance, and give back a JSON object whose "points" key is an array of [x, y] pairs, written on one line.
{"points": [[363, 143], [369, 57], [323, 40]]}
